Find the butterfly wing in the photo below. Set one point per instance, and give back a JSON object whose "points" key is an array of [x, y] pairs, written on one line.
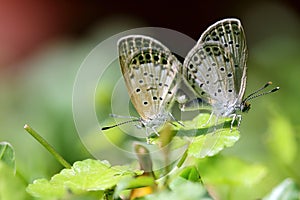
{"points": [[150, 72], [230, 33], [206, 67], [216, 67]]}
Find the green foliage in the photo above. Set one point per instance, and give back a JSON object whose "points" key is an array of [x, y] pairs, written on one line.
{"points": [[219, 175], [202, 173], [186, 190], [12, 186], [190, 173], [282, 136], [185, 184], [287, 190], [91, 175], [132, 183], [231, 171], [84, 176], [209, 140], [7, 155], [213, 143]]}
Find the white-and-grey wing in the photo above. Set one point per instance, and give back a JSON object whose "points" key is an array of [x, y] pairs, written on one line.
{"points": [[216, 66], [230, 33], [150, 72], [208, 68]]}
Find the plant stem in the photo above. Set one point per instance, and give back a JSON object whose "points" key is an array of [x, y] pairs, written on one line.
{"points": [[43, 142], [183, 158]]}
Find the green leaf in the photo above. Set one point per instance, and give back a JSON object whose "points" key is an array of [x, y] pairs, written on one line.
{"points": [[282, 141], [287, 190], [141, 181], [211, 144], [182, 190], [133, 183], [84, 176], [11, 186], [230, 171], [46, 189], [210, 140], [7, 155], [190, 173], [232, 178]]}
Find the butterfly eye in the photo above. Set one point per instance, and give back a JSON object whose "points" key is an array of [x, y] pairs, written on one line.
{"points": [[245, 107]]}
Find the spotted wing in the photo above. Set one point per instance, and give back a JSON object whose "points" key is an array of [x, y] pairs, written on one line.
{"points": [[230, 34], [150, 72], [209, 70]]}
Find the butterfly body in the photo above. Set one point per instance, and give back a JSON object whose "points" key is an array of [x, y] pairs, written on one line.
{"points": [[156, 120]]}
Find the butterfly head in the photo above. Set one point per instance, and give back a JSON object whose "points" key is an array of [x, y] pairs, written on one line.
{"points": [[245, 106]]}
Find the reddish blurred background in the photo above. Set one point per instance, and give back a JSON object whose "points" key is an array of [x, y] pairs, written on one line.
{"points": [[26, 25]]}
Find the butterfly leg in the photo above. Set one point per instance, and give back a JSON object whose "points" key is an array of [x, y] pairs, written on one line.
{"points": [[235, 117], [173, 118], [148, 140], [147, 134], [155, 131], [216, 123], [209, 119], [239, 120]]}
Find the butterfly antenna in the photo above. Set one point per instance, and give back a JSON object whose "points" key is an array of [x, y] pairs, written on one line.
{"points": [[258, 95], [126, 122], [255, 95], [260, 89]]}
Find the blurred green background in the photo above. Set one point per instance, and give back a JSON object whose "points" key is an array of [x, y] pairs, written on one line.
{"points": [[43, 44]]}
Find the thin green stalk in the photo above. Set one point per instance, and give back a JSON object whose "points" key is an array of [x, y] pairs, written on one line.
{"points": [[43, 142], [183, 158]]}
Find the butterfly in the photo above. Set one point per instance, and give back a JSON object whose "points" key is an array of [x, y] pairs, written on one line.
{"points": [[150, 72], [215, 69]]}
